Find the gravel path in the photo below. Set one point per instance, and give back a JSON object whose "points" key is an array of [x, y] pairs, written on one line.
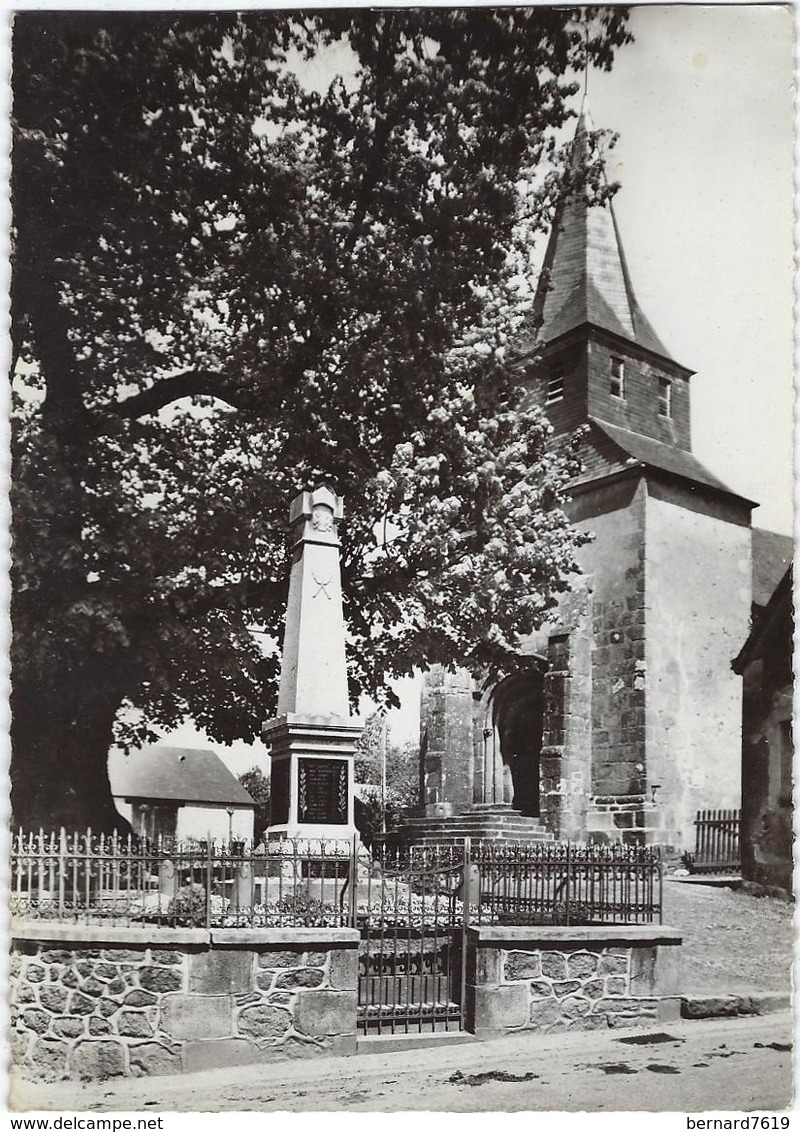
{"points": [[732, 941]]}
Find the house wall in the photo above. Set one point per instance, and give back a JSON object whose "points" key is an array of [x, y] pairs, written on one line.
{"points": [[767, 760], [698, 578], [200, 820]]}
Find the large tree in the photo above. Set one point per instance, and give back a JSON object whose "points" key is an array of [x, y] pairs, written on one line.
{"points": [[233, 276]]}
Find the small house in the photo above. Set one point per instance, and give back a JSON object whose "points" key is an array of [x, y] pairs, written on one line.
{"points": [[182, 793]]}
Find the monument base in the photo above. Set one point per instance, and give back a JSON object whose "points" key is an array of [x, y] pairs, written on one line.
{"points": [[311, 789]]}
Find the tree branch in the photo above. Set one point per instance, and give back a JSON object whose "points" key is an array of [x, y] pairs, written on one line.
{"points": [[190, 383]]}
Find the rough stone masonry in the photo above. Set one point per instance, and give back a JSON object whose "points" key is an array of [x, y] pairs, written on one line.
{"points": [[85, 1011]]}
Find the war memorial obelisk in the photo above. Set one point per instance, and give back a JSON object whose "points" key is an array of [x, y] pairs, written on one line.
{"points": [[312, 740]]}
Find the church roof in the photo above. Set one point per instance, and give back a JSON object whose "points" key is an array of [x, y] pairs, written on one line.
{"points": [[635, 448], [585, 278], [177, 774]]}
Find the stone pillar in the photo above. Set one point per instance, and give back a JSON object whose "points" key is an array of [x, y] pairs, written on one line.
{"points": [[446, 748], [313, 738], [567, 741]]}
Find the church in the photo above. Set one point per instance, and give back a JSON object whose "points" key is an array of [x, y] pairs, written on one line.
{"points": [[625, 716]]}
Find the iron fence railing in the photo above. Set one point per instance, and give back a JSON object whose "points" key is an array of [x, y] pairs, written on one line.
{"points": [[562, 883], [91, 879], [87, 878]]}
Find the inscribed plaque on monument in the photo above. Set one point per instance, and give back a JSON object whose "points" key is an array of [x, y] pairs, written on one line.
{"points": [[322, 791]]}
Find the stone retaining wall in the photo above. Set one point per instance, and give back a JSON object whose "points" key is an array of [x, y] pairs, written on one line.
{"points": [[94, 1003], [547, 979]]}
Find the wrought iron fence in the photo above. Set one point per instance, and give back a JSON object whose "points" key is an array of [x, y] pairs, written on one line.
{"points": [[90, 879], [565, 883]]}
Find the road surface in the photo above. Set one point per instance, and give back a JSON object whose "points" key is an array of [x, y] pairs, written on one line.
{"points": [[739, 1065]]}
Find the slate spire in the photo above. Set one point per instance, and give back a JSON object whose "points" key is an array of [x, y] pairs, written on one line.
{"points": [[585, 278]]}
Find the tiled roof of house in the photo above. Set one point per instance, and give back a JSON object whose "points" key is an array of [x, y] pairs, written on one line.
{"points": [[585, 278], [772, 555], [178, 774]]}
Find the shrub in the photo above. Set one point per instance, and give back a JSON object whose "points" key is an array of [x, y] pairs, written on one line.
{"points": [[188, 906]]}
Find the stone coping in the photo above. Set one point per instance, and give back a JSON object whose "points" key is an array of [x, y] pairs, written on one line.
{"points": [[248, 936], [149, 935], [600, 933]]}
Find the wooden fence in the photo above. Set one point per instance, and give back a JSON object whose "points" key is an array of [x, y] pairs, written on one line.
{"points": [[716, 842]]}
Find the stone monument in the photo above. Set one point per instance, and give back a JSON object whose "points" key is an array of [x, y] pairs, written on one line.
{"points": [[312, 740]]}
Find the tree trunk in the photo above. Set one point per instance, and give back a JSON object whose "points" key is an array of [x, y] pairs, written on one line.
{"points": [[60, 738]]}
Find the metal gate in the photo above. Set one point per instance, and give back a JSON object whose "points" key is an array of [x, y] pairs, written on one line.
{"points": [[413, 927]]}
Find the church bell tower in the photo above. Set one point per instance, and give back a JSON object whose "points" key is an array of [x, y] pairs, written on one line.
{"points": [[625, 714]]}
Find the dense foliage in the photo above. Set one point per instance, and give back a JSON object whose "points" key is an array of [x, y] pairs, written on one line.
{"points": [[256, 784], [235, 273]]}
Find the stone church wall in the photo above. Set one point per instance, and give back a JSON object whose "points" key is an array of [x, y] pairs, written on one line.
{"points": [[767, 757], [566, 756], [697, 571]]}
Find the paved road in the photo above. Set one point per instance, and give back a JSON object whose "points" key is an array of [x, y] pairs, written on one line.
{"points": [[733, 1066]]}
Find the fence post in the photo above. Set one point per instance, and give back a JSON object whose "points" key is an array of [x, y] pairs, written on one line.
{"points": [[353, 882], [465, 912], [209, 877], [568, 885], [62, 868]]}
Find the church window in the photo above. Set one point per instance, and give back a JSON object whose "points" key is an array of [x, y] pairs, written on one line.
{"points": [[617, 385], [664, 397], [555, 386]]}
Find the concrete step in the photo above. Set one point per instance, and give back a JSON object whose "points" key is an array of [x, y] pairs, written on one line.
{"points": [[392, 1043], [410, 837], [459, 833], [491, 821], [476, 821]]}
